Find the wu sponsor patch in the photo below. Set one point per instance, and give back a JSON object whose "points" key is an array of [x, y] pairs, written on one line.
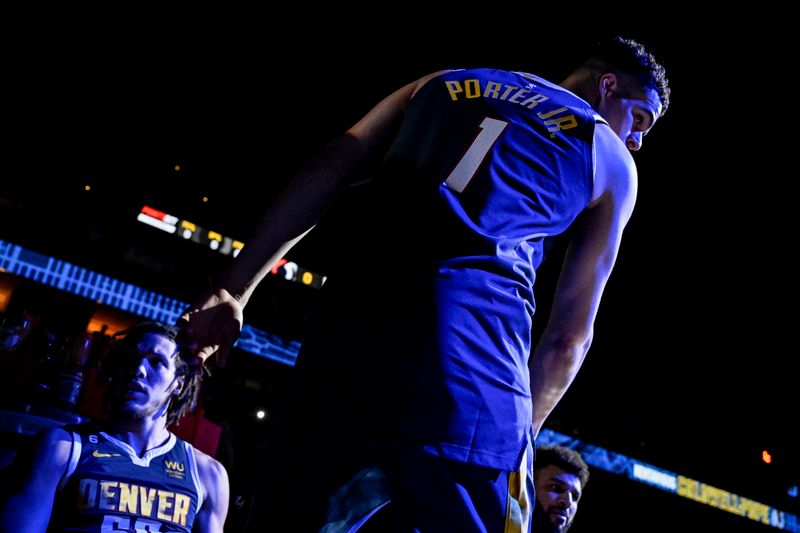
{"points": [[174, 469]]}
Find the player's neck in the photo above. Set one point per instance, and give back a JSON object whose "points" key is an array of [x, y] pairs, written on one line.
{"points": [[581, 85], [141, 434]]}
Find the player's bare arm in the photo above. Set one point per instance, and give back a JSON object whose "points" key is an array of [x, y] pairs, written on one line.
{"points": [[588, 263]]}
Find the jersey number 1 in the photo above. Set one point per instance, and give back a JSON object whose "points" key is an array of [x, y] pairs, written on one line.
{"points": [[465, 170]]}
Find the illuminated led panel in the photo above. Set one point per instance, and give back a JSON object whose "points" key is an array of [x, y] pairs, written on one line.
{"points": [[127, 297]]}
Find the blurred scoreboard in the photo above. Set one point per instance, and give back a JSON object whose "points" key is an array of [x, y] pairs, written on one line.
{"points": [[213, 240]]}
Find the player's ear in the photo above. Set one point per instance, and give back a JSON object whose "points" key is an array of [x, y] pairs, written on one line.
{"points": [[607, 85]]}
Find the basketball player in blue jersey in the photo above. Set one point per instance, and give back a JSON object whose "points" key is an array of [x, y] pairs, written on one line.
{"points": [[129, 474], [417, 396]]}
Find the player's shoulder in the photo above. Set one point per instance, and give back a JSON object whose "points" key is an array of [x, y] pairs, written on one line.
{"points": [[52, 446], [611, 152], [424, 80], [615, 170], [207, 467], [54, 436], [213, 476]]}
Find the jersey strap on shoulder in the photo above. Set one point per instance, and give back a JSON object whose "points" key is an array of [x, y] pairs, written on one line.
{"points": [[598, 119], [74, 456]]}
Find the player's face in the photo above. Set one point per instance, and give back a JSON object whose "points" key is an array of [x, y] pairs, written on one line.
{"points": [[144, 384], [632, 117], [557, 495]]}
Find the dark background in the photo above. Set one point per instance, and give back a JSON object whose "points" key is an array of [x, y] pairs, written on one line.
{"points": [[691, 369]]}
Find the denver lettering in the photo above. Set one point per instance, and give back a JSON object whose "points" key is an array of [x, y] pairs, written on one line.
{"points": [[134, 499]]}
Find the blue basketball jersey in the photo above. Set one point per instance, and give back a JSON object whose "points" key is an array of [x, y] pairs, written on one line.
{"points": [[107, 487], [428, 347]]}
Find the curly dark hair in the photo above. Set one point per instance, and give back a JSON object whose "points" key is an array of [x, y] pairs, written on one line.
{"points": [[125, 344], [628, 57], [566, 459]]}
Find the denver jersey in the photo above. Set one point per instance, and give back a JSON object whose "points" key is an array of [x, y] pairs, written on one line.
{"points": [[107, 487], [428, 346]]}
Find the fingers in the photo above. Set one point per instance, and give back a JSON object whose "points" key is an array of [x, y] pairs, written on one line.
{"points": [[186, 318], [222, 355], [206, 352], [212, 327]]}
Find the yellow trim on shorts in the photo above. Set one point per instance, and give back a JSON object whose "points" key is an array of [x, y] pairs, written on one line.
{"points": [[518, 509]]}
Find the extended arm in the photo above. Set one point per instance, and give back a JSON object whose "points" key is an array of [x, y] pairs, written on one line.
{"points": [[37, 474], [214, 478], [589, 260], [217, 317]]}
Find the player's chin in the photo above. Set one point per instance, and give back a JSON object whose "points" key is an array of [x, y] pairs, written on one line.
{"points": [[131, 408], [560, 521]]}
